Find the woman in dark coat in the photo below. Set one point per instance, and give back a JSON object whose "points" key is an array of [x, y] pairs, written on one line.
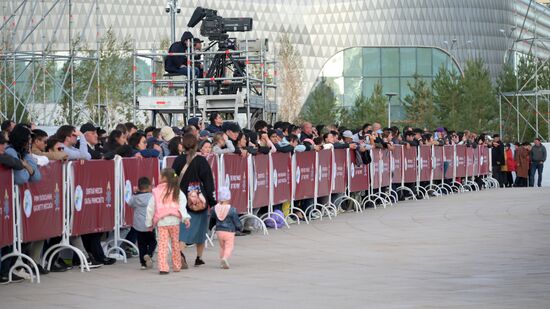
{"points": [[198, 172]]}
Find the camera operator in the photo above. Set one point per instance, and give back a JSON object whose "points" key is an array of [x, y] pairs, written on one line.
{"points": [[177, 64]]}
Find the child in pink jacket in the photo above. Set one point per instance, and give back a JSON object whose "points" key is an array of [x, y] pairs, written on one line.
{"points": [[166, 209]]}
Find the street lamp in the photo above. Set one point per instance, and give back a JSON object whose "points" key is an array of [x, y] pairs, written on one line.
{"points": [[390, 95], [173, 8]]}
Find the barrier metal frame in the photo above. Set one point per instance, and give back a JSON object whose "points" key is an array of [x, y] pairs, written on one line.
{"points": [[17, 252], [404, 167], [371, 196], [68, 210], [419, 162], [271, 180], [250, 211], [325, 208], [442, 186], [346, 196], [119, 215]]}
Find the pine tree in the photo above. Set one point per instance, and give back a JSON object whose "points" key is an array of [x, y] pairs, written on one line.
{"points": [[320, 106], [479, 106], [420, 106], [356, 115], [377, 110], [447, 95]]}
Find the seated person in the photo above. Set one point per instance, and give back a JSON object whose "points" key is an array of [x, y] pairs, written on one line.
{"points": [[177, 64]]}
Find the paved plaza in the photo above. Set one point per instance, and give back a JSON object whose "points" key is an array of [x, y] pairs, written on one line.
{"points": [[488, 249]]}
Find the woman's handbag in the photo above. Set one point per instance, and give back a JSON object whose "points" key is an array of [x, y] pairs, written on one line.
{"points": [[195, 198]]}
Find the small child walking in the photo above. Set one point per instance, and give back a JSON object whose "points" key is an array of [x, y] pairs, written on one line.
{"points": [[165, 210], [146, 238], [227, 223]]}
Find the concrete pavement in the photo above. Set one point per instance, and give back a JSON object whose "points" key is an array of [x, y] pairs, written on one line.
{"points": [[488, 249]]}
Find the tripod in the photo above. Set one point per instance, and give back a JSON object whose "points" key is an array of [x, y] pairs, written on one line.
{"points": [[222, 61]]}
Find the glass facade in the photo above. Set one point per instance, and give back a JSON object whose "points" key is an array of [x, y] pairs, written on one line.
{"points": [[355, 71]]}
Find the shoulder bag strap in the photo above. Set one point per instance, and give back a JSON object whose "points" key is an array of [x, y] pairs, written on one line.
{"points": [[184, 169]]}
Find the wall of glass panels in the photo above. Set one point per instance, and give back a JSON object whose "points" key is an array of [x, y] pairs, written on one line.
{"points": [[355, 71]]}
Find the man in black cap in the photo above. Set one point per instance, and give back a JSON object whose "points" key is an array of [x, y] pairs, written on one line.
{"points": [[177, 64], [232, 130], [89, 131]]}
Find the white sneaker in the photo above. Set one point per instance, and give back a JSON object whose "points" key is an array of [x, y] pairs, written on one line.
{"points": [[315, 216], [224, 264], [148, 261], [22, 273]]}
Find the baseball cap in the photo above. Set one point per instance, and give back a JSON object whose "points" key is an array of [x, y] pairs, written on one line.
{"points": [[152, 141], [87, 127], [167, 133], [193, 121], [204, 133], [347, 134]]}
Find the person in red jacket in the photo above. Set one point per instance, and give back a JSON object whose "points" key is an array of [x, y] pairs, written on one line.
{"points": [[509, 166]]}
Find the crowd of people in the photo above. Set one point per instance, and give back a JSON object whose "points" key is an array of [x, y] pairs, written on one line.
{"points": [[172, 206]]}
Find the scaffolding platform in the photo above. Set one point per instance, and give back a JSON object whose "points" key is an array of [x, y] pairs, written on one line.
{"points": [[242, 89], [208, 103]]}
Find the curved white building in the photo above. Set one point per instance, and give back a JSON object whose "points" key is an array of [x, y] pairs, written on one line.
{"points": [[319, 29]]}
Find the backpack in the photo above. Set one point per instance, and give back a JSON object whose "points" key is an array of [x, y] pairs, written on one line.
{"points": [[277, 221]]}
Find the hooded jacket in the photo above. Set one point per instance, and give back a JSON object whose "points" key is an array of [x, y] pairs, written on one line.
{"points": [[227, 219], [139, 203], [173, 63]]}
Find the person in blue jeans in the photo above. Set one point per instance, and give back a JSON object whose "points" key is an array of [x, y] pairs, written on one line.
{"points": [[538, 156]]}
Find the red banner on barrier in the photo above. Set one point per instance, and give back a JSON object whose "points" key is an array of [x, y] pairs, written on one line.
{"points": [[339, 171], [93, 196], [261, 181], [437, 161], [476, 162], [324, 172], [134, 169], [213, 162], [282, 177], [449, 152], [381, 174], [359, 175], [236, 177], [169, 161], [460, 160], [410, 154], [42, 204], [483, 160], [425, 164], [470, 164], [6, 211], [304, 175], [397, 164]]}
